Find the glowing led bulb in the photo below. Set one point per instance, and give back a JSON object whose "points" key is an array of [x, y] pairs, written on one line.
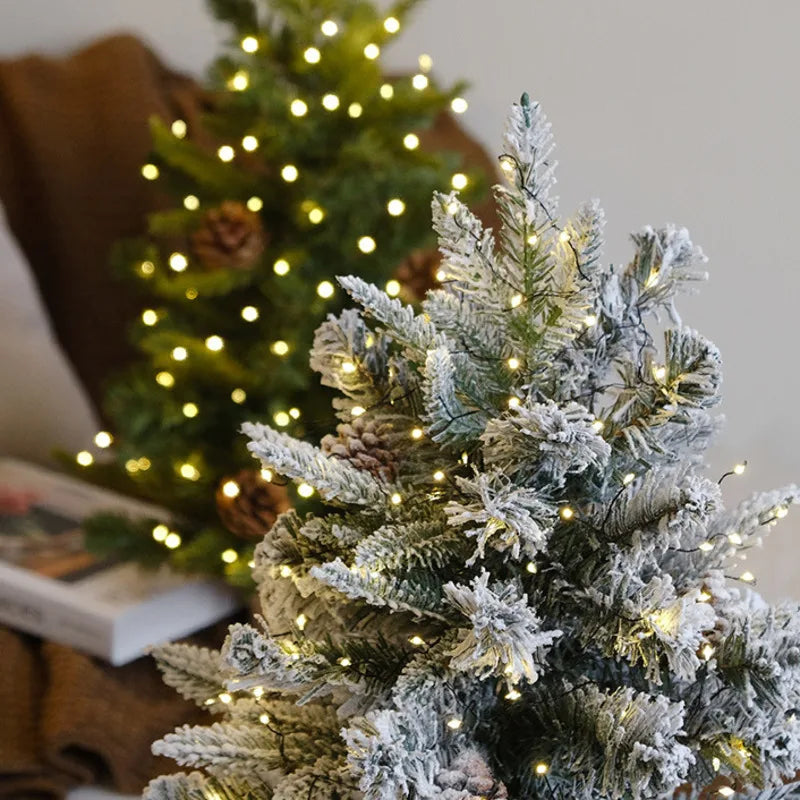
{"points": [[507, 165], [103, 439], [513, 363], [372, 51], [165, 379], [305, 490], [531, 567], [225, 698], [411, 141], [417, 641], [286, 571], [438, 475], [726, 791], [266, 475], [190, 410], [226, 153], [747, 577], [659, 373], [366, 244], [590, 320], [441, 275], [420, 81], [250, 314], [598, 425], [416, 433], [280, 348], [258, 691], [238, 396], [240, 81], [150, 172], [191, 202], [281, 266], [149, 317], [191, 294], [147, 268], [312, 55], [249, 44], [566, 513], [706, 547], [735, 538], [179, 129], [160, 532], [255, 204], [703, 597], [282, 419], [250, 143], [781, 512], [357, 411], [230, 489], [396, 499], [215, 343], [229, 556], [294, 413], [179, 353], [395, 207], [425, 62], [172, 541], [178, 262], [345, 662], [533, 240], [459, 105], [189, 472], [541, 769], [513, 695], [316, 215], [325, 289], [290, 173], [391, 24], [513, 402], [264, 719], [516, 300], [386, 91], [459, 181], [298, 108], [330, 102], [563, 237], [629, 478], [739, 469], [301, 621], [454, 723], [348, 367], [329, 28], [355, 110], [84, 458], [393, 288]]}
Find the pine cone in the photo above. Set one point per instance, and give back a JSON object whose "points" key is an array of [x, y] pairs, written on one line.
{"points": [[256, 506], [230, 237], [469, 778], [365, 445], [418, 272]]}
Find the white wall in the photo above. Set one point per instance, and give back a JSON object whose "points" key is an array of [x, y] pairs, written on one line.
{"points": [[680, 111]]}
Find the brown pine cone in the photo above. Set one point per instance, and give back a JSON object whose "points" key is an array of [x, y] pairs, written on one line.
{"points": [[253, 509], [230, 237], [417, 274], [364, 443]]}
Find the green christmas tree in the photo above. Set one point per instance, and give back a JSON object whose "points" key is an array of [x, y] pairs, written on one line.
{"points": [[308, 163], [535, 598]]}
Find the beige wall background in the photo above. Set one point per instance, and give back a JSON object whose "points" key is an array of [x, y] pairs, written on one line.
{"points": [[684, 112]]}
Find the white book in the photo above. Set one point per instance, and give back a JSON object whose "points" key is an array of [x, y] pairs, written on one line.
{"points": [[52, 587]]}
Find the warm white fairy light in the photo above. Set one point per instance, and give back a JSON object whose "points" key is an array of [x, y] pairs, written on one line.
{"points": [[240, 81], [329, 28], [312, 55], [149, 317], [266, 475], [541, 768], [567, 513], [747, 577], [459, 181], [735, 538], [513, 402], [250, 314], [563, 237], [179, 129], [386, 91], [348, 367], [255, 204], [417, 433], [420, 81], [160, 532], [231, 489], [143, 464], [330, 102], [325, 289], [165, 379], [345, 661], [238, 396], [507, 165], [441, 275], [706, 547], [628, 478], [225, 698], [173, 540], [454, 723], [516, 300], [281, 267], [150, 172], [132, 466], [659, 372], [281, 419], [190, 410], [590, 320], [316, 215], [190, 294], [147, 268], [598, 425], [305, 490], [215, 343], [739, 469], [417, 640], [533, 240], [178, 262], [372, 51], [298, 108], [781, 512], [290, 173], [84, 458], [726, 791], [285, 571], [391, 24], [191, 202], [103, 439], [366, 244], [395, 207], [438, 476], [226, 153], [250, 143], [396, 499], [513, 695], [425, 62], [189, 471], [703, 597], [355, 110], [459, 105], [411, 141], [294, 413], [531, 567], [513, 363], [249, 44], [301, 621], [357, 411], [179, 353], [393, 288], [279, 347]]}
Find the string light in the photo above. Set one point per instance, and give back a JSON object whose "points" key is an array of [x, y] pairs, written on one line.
{"points": [[533, 240], [590, 320], [294, 413], [250, 314], [84, 458], [325, 289], [348, 367], [249, 44], [231, 489], [266, 475], [191, 294], [395, 207], [513, 363], [330, 102], [419, 82], [516, 300], [459, 181], [417, 640], [329, 28], [739, 469], [366, 244], [454, 723], [189, 471], [452, 207], [416, 433], [345, 662], [290, 173], [144, 464], [659, 373], [132, 466], [629, 478], [286, 571], [513, 695], [215, 343], [147, 268], [225, 698], [726, 791], [160, 532], [279, 347], [281, 267], [735, 538], [179, 129], [391, 24], [250, 143], [386, 91], [264, 719], [178, 262], [226, 153], [191, 202], [258, 692], [425, 62], [355, 110], [312, 55], [190, 410], [598, 425], [238, 396], [781, 512], [282, 419], [165, 379], [506, 164], [255, 204], [396, 499], [301, 621], [703, 597], [393, 288], [513, 402], [747, 577], [357, 411], [298, 108], [372, 51], [103, 439], [531, 567], [240, 81], [150, 172], [316, 215], [173, 541], [411, 141], [541, 769], [179, 353], [149, 317], [706, 547], [566, 513], [459, 105], [305, 490], [229, 556], [438, 475]]}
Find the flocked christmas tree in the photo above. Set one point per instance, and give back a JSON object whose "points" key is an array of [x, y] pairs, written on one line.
{"points": [[530, 596], [309, 162]]}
